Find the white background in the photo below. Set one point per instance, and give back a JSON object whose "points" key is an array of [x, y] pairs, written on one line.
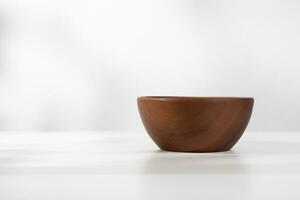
{"points": [[79, 65]]}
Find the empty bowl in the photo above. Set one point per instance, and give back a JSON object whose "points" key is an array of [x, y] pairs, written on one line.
{"points": [[195, 124]]}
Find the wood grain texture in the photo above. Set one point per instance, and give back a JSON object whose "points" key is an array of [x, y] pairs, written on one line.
{"points": [[195, 124]]}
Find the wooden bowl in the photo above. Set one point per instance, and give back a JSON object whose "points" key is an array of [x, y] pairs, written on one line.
{"points": [[195, 124]]}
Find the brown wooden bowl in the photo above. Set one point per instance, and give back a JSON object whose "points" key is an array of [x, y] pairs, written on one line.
{"points": [[195, 124]]}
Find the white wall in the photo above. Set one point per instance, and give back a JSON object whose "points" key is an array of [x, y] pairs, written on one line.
{"points": [[77, 65]]}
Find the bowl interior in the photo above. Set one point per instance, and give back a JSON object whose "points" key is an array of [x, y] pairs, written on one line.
{"points": [[194, 98]]}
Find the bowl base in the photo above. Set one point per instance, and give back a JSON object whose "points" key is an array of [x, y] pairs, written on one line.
{"points": [[196, 151]]}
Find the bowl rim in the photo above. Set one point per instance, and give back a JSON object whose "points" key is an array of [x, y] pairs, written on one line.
{"points": [[188, 98]]}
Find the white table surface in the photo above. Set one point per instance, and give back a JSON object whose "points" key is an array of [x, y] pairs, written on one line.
{"points": [[123, 165]]}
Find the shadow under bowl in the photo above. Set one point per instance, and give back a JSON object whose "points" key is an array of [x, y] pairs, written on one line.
{"points": [[195, 124]]}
